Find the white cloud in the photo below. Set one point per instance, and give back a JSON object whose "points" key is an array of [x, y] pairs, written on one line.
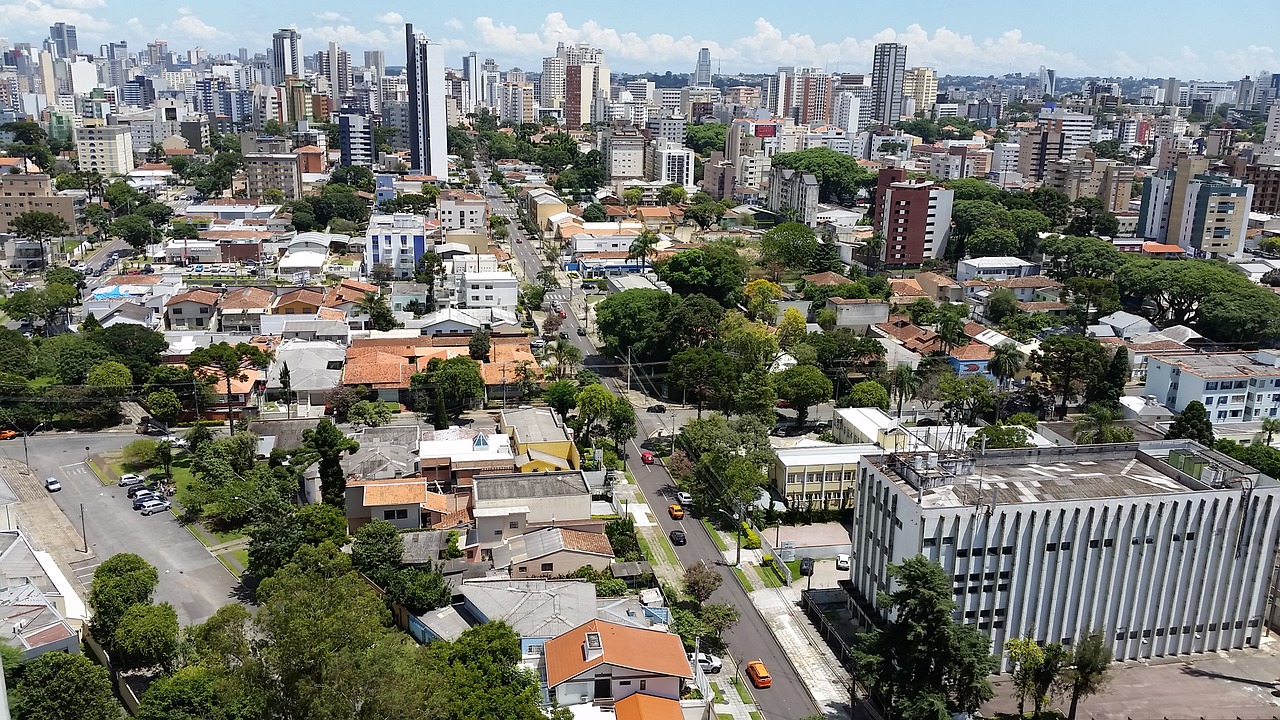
{"points": [[390, 18], [348, 35], [453, 23], [195, 27], [329, 16], [79, 4], [38, 15]]}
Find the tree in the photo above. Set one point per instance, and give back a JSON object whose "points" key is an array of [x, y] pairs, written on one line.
{"points": [[991, 240], [1108, 387], [642, 247], [839, 176], [164, 405], [419, 589], [789, 244], [328, 444], [716, 271], [803, 386], [635, 320], [594, 212], [368, 413], [595, 403], [704, 214], [970, 215], [155, 213], [381, 317], [546, 277], [1053, 204], [1001, 304], [147, 637], [478, 346], [1268, 428], [460, 380], [621, 425], [1025, 659], [762, 298], [1098, 427], [61, 686], [39, 227], [135, 230], [1066, 362], [964, 398], [1006, 361], [1193, 424], [1067, 257], [188, 694], [377, 549], [230, 363], [120, 582], [1088, 671], [701, 374], [791, 329], [867, 393], [110, 379], [562, 396], [705, 138], [701, 580], [922, 664], [439, 414], [65, 276], [357, 176], [904, 384], [672, 194]]}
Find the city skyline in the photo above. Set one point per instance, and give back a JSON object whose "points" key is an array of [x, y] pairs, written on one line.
{"points": [[960, 38]]}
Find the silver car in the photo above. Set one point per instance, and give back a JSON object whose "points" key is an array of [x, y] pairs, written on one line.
{"points": [[152, 507]]}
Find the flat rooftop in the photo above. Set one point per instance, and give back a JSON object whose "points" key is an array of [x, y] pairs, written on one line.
{"points": [[1045, 475], [1222, 365]]}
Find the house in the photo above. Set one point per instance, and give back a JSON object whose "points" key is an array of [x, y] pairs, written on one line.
{"points": [[939, 287], [538, 610], [405, 503], [385, 373], [315, 370], [643, 706], [1122, 325], [246, 391], [552, 552], [1030, 288], [241, 309], [453, 456], [600, 661], [542, 442], [40, 611], [511, 504], [387, 451], [970, 359], [450, 321], [905, 291], [1233, 386], [825, 279], [131, 314], [994, 268], [858, 314], [302, 301], [192, 310]]}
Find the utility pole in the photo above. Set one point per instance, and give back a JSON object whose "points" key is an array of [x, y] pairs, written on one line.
{"points": [[84, 533], [738, 518]]}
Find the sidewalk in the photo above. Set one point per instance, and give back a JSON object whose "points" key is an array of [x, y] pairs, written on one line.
{"points": [[730, 701]]}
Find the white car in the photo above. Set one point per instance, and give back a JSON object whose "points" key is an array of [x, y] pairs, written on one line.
{"points": [[175, 441], [842, 562], [684, 498], [52, 484], [152, 507], [710, 663], [130, 480]]}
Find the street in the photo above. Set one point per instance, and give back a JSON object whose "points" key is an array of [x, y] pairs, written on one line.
{"points": [[750, 638], [191, 579]]}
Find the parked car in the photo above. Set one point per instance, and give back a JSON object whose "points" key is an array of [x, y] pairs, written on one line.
{"points": [[758, 674], [676, 512], [564, 335], [52, 484], [842, 561], [657, 408], [562, 313], [219, 286], [154, 506], [134, 491], [143, 497], [198, 268], [175, 441], [710, 663], [147, 270], [678, 537], [684, 498], [646, 457], [130, 479], [8, 434]]}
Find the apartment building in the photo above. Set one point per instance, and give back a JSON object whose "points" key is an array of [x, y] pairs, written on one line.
{"points": [[1165, 547], [21, 193], [794, 190], [397, 240], [1205, 214], [272, 171], [106, 149], [1234, 387], [914, 218], [460, 210], [1088, 176], [669, 161]]}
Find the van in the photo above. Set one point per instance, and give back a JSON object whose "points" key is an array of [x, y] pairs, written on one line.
{"points": [[758, 674]]}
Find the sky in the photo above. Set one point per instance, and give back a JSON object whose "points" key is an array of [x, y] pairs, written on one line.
{"points": [[1151, 38]]}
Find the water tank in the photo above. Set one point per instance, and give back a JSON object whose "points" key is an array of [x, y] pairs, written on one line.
{"points": [[917, 463], [933, 460]]}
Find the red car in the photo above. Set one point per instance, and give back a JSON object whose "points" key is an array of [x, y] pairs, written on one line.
{"points": [[646, 457], [562, 313], [784, 403]]}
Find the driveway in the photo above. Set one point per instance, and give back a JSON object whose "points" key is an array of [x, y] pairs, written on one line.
{"points": [[191, 579]]}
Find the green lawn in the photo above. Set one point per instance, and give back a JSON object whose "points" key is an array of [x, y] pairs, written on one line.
{"points": [[663, 546], [742, 578], [794, 565], [715, 535], [743, 693], [229, 566], [755, 715], [715, 689], [724, 716], [769, 576]]}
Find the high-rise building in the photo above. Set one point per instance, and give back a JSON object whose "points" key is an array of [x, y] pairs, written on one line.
{"points": [[1245, 89], [424, 61], [335, 65], [376, 60], [472, 78], [811, 97], [551, 85], [914, 217], [1204, 214], [107, 149], [1048, 81], [921, 85], [517, 103], [1271, 137], [355, 134], [702, 71], [586, 93], [64, 41], [887, 70], [1088, 176], [286, 55], [1172, 91], [490, 84]]}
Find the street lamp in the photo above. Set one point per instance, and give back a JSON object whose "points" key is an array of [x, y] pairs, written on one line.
{"points": [[25, 453]]}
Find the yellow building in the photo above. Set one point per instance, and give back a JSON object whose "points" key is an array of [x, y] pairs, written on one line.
{"points": [[540, 440]]}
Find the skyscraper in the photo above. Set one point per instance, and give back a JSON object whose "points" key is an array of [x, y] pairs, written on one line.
{"points": [[424, 62], [702, 71], [335, 65], [886, 81], [286, 54], [921, 85], [64, 39], [376, 60], [471, 73], [1048, 81], [551, 84]]}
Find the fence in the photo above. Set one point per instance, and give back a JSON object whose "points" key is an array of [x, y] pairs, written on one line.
{"points": [[863, 708], [767, 549]]}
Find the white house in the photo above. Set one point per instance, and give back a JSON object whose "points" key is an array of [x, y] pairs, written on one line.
{"points": [[994, 268], [1234, 387], [488, 289]]}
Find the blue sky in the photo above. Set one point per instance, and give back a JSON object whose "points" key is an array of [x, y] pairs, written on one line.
{"points": [[1137, 37]]}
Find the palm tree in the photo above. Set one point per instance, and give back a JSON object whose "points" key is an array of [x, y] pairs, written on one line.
{"points": [[871, 249], [567, 356], [1005, 363], [905, 383], [950, 328], [1098, 427], [1270, 426], [642, 247]]}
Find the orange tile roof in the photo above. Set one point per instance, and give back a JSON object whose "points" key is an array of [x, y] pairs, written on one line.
{"points": [[377, 370], [247, 298], [651, 651], [303, 295], [653, 212], [826, 278], [936, 278], [907, 287], [640, 706], [1155, 247], [309, 149], [972, 351], [326, 313], [201, 296], [238, 387], [395, 494], [590, 542], [974, 329]]}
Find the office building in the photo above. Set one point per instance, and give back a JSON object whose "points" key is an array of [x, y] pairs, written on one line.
{"points": [[1048, 82], [914, 218], [63, 37], [286, 55], [702, 70], [1165, 547], [1234, 387], [106, 149], [272, 171], [920, 84], [355, 134], [427, 140], [888, 68]]}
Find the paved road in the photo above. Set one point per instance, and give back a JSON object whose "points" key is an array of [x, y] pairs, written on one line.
{"points": [[191, 579], [751, 638]]}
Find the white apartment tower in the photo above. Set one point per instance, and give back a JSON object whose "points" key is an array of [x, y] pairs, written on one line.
{"points": [[424, 62], [336, 67], [887, 70], [551, 85], [1048, 81], [286, 54], [471, 74]]}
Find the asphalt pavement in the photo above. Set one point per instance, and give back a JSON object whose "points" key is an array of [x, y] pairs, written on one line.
{"points": [[750, 638]]}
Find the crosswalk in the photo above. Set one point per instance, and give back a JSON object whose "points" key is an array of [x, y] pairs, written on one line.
{"points": [[83, 570]]}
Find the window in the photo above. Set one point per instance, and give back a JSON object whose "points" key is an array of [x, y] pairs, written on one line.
{"points": [[1210, 386], [399, 514], [498, 532], [513, 525], [546, 567], [524, 568], [642, 684]]}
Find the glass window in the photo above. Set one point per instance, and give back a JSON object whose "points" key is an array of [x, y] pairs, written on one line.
{"points": [[546, 567]]}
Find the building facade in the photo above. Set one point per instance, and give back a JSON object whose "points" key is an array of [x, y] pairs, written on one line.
{"points": [[428, 151], [106, 149], [888, 68], [914, 218]]}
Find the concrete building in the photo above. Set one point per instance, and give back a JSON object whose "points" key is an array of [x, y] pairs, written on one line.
{"points": [[858, 313], [702, 70], [920, 84], [669, 161], [20, 192], [994, 268], [1165, 547], [1085, 175], [428, 152], [1038, 148], [914, 218], [517, 103], [272, 171], [286, 55], [1201, 213], [106, 149], [795, 190], [397, 240], [1234, 387], [819, 477], [460, 210], [355, 134], [489, 289], [624, 154], [888, 69], [1076, 128]]}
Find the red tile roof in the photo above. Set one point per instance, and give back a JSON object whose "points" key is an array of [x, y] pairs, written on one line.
{"points": [[826, 279], [641, 706], [199, 295], [649, 651]]}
